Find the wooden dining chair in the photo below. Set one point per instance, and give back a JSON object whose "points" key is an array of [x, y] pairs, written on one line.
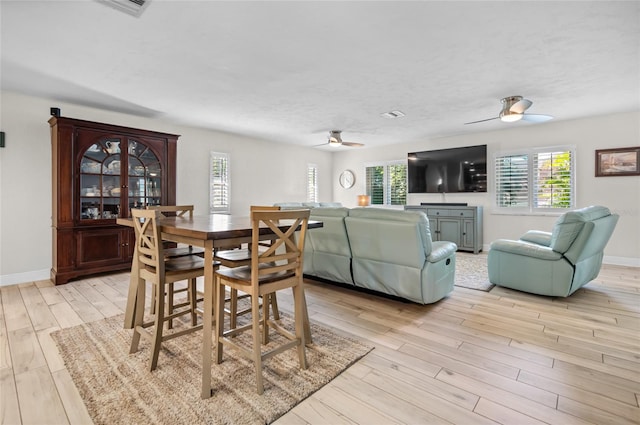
{"points": [[271, 270], [154, 267], [242, 257], [184, 211]]}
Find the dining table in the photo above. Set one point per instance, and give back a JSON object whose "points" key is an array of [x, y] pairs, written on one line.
{"points": [[211, 232]]}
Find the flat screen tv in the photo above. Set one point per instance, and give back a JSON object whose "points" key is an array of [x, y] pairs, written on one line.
{"points": [[448, 170]]}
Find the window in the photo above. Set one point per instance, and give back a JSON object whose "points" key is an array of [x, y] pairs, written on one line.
{"points": [[312, 183], [536, 180], [219, 192], [386, 183]]}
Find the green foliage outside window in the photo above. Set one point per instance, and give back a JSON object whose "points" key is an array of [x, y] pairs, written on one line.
{"points": [[398, 184], [555, 188]]}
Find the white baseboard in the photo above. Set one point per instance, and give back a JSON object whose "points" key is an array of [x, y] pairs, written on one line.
{"points": [[12, 279], [621, 261]]}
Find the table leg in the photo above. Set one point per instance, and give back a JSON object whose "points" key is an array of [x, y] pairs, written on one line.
{"points": [[207, 319]]}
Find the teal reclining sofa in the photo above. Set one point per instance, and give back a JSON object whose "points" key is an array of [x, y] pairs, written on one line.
{"points": [[555, 263], [387, 251]]}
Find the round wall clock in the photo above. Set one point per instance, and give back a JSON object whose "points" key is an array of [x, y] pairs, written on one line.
{"points": [[347, 179]]}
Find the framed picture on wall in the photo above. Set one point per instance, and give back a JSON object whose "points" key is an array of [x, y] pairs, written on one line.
{"points": [[618, 162]]}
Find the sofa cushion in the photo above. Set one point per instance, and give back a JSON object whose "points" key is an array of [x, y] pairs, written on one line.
{"points": [[327, 253], [392, 253], [417, 217], [332, 236], [393, 236]]}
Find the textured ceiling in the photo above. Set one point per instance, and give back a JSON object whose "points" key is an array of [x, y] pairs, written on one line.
{"points": [[292, 71]]}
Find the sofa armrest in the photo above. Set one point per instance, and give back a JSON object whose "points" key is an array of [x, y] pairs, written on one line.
{"points": [[527, 249], [537, 237], [441, 250]]}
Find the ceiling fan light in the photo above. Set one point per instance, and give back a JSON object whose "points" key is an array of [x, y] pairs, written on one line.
{"points": [[334, 138], [510, 116]]}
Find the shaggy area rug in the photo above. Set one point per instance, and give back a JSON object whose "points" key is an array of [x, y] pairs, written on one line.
{"points": [[471, 271], [118, 388]]}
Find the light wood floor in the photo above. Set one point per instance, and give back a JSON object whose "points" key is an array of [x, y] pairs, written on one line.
{"points": [[472, 358]]}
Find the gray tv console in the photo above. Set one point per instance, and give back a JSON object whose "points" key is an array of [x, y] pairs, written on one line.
{"points": [[460, 224]]}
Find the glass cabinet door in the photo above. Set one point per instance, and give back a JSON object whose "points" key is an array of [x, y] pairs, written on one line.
{"points": [[105, 186], [145, 176], [100, 182]]}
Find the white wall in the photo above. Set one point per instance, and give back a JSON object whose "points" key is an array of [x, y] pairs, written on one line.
{"points": [[620, 194], [261, 173], [25, 175]]}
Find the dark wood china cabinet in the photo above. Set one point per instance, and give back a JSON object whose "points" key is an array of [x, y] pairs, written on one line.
{"points": [[101, 171]]}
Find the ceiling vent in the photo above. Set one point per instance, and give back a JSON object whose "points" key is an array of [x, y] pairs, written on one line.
{"points": [[393, 114], [131, 7]]}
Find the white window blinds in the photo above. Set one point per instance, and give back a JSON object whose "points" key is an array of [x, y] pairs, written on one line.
{"points": [[219, 192], [512, 181], [540, 179], [312, 183]]}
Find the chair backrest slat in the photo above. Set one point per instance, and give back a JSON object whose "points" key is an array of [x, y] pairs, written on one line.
{"points": [[264, 208], [179, 210]]}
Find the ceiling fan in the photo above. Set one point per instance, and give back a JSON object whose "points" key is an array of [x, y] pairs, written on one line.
{"points": [[513, 108], [335, 139]]}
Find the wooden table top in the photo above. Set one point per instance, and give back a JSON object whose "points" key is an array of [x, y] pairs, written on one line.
{"points": [[213, 226]]}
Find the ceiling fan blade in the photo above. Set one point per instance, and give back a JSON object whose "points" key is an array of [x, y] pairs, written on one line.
{"points": [[520, 106], [352, 144], [321, 144], [536, 117], [488, 119]]}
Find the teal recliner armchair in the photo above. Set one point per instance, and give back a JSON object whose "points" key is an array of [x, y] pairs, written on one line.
{"points": [[556, 263]]}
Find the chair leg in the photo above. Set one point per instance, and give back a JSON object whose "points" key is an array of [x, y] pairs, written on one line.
{"points": [[265, 317], [233, 308], [299, 319], [152, 308], [139, 316], [170, 305], [192, 293], [274, 306], [220, 290], [257, 348], [157, 330]]}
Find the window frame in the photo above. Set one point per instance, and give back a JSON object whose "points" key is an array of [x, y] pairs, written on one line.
{"points": [[532, 182], [224, 208], [387, 181]]}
